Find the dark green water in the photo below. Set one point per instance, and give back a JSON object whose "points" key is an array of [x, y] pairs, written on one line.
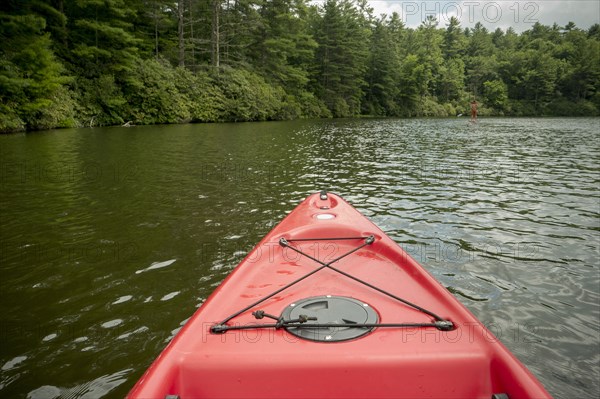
{"points": [[111, 238]]}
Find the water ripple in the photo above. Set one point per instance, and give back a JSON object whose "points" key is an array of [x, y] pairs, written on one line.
{"points": [[506, 215]]}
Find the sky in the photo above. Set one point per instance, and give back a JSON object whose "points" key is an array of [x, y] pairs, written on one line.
{"points": [[518, 14]]}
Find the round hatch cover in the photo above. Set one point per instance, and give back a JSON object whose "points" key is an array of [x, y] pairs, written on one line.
{"points": [[330, 310]]}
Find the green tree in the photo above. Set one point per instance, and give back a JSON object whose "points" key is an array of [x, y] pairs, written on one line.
{"points": [[455, 42], [283, 48], [495, 95], [104, 53], [383, 70], [506, 41], [101, 37], [594, 32], [581, 80], [452, 84], [430, 55], [412, 84], [32, 95], [480, 61], [343, 36], [155, 24], [238, 27]]}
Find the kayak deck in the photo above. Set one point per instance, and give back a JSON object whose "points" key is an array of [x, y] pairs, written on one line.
{"points": [[212, 358]]}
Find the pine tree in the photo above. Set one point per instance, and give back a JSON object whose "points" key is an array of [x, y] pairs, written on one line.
{"points": [[454, 43], [31, 78], [342, 35], [383, 77], [430, 55], [101, 37], [283, 48]]}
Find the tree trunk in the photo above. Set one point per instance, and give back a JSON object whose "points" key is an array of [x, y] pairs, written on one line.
{"points": [[156, 29], [215, 40], [192, 36], [180, 7]]}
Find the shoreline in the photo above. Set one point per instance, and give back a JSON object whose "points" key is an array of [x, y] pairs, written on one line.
{"points": [[464, 117]]}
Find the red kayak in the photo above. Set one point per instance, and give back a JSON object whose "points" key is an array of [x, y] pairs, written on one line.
{"points": [[328, 306]]}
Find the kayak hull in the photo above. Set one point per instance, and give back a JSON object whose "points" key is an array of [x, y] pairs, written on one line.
{"points": [[385, 362]]}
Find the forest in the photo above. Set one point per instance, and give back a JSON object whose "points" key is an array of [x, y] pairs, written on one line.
{"points": [[72, 63]]}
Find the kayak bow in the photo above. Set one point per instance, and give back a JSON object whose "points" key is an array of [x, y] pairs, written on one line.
{"points": [[328, 306]]}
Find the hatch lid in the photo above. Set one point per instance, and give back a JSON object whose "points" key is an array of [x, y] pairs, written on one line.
{"points": [[330, 310]]}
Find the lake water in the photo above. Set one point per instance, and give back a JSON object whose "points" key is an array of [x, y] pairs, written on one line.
{"points": [[110, 238]]}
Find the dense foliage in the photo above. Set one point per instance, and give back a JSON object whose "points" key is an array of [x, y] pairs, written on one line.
{"points": [[102, 62]]}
